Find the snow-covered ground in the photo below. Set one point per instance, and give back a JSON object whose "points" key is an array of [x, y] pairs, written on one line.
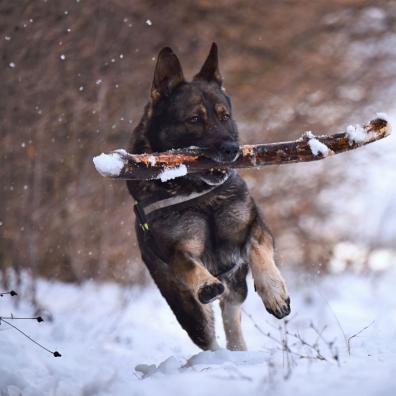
{"points": [[340, 338], [119, 341]]}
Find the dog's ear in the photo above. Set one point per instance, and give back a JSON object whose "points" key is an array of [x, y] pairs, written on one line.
{"points": [[168, 74], [210, 69]]}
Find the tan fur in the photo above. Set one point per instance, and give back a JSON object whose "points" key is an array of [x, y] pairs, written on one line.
{"points": [[268, 280], [210, 326], [220, 109], [191, 271], [202, 111], [231, 314]]}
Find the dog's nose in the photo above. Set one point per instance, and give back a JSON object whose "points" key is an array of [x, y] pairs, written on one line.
{"points": [[229, 151]]}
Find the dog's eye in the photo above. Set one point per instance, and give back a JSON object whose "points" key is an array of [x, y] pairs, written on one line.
{"points": [[194, 119], [225, 117]]}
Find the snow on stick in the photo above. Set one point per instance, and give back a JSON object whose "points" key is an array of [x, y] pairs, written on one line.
{"points": [[175, 163]]}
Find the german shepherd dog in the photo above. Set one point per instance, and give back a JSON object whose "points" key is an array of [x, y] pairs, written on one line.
{"points": [[206, 225]]}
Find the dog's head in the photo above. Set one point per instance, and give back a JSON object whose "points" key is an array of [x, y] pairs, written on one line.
{"points": [[196, 113]]}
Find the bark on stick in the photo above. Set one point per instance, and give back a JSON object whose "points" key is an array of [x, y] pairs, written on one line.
{"points": [[122, 165]]}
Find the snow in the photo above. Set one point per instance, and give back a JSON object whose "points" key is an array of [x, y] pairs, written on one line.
{"points": [[110, 164], [383, 116], [316, 146], [356, 134], [121, 341], [152, 160], [172, 173]]}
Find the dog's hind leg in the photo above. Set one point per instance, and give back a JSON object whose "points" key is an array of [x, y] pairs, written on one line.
{"points": [[195, 318], [268, 280], [230, 304], [231, 313]]}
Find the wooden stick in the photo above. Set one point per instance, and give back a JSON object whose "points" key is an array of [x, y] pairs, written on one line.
{"points": [[121, 165]]}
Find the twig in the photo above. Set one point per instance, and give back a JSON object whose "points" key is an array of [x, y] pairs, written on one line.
{"points": [[314, 347], [12, 293], [356, 335], [12, 317], [335, 317], [329, 344], [284, 345], [39, 319], [286, 350], [55, 353]]}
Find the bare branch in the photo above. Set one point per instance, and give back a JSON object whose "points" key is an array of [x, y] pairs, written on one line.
{"points": [[12, 293], [122, 165], [356, 335], [54, 353], [39, 319], [12, 317]]}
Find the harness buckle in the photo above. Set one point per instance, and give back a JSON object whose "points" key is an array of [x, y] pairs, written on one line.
{"points": [[144, 226], [141, 217]]}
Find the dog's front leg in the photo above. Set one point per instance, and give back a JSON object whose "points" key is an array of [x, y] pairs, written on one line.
{"points": [[190, 270], [268, 280]]}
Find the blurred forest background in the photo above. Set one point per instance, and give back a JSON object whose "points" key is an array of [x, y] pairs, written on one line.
{"points": [[75, 76]]}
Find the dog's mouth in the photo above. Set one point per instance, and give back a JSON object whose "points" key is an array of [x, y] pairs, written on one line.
{"points": [[227, 152], [224, 159], [215, 177]]}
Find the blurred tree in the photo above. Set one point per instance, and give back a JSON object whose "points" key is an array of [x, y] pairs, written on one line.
{"points": [[75, 77]]}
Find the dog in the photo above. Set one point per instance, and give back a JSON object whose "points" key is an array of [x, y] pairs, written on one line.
{"points": [[206, 228]]}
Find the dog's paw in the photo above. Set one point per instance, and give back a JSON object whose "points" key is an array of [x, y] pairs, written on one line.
{"points": [[280, 310], [209, 292], [275, 298]]}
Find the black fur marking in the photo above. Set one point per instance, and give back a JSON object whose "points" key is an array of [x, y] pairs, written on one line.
{"points": [[209, 293]]}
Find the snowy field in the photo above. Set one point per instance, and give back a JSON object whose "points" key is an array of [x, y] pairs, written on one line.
{"points": [[119, 341], [340, 338]]}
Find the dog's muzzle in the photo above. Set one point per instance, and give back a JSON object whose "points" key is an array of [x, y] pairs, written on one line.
{"points": [[225, 152]]}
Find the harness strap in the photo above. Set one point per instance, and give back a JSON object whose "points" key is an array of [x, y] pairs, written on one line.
{"points": [[164, 203], [228, 272], [148, 237]]}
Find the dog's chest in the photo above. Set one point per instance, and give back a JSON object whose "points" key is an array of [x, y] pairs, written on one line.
{"points": [[231, 218], [213, 220]]}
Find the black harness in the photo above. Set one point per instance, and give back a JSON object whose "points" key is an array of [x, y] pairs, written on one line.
{"points": [[153, 249]]}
